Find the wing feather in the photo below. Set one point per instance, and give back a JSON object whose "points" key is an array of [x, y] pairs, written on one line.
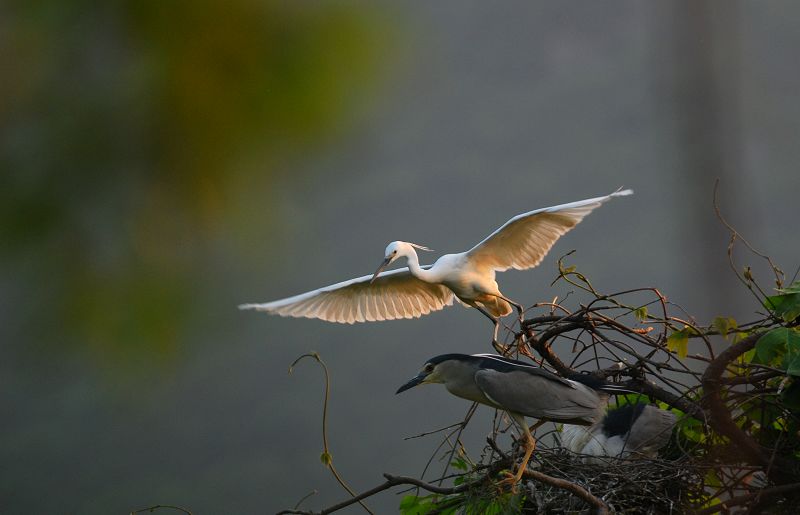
{"points": [[523, 241], [540, 397], [394, 294]]}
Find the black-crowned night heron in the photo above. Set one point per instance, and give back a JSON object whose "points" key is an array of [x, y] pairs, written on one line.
{"points": [[520, 389], [630, 431]]}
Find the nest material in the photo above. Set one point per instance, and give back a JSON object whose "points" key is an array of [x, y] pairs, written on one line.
{"points": [[626, 486]]}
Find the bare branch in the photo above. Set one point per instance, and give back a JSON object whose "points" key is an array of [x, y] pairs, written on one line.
{"points": [[160, 506]]}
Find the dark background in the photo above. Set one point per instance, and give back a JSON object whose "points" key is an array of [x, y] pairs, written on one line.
{"points": [[161, 163]]}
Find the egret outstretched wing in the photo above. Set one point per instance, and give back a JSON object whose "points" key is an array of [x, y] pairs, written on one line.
{"points": [[394, 294], [523, 241]]}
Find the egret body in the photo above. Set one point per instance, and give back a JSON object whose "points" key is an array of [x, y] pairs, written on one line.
{"points": [[469, 276]]}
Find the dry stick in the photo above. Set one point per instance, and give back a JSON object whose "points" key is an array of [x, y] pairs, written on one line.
{"points": [[744, 499], [578, 490], [646, 387], [434, 431], [779, 275], [720, 417], [391, 481], [326, 456], [457, 442], [302, 499], [157, 506]]}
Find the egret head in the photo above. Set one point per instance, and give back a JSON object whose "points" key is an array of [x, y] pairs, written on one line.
{"points": [[394, 250]]}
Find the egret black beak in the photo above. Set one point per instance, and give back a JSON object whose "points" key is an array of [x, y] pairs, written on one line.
{"points": [[412, 383], [380, 269]]}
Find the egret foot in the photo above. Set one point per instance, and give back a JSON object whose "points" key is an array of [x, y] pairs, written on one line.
{"points": [[499, 347], [523, 349], [503, 350]]}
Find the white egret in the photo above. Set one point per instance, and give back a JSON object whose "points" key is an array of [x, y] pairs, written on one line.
{"points": [[469, 276]]}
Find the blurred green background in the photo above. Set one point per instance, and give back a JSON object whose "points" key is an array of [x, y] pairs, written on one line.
{"points": [[162, 162]]}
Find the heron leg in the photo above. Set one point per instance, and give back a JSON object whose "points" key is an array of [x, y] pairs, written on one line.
{"points": [[530, 445]]}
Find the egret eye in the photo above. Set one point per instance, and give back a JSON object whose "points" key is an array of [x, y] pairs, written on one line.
{"points": [[428, 368]]}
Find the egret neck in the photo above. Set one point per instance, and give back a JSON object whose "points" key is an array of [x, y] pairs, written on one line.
{"points": [[429, 276]]}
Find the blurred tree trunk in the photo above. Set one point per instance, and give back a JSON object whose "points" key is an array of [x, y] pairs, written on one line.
{"points": [[703, 79]]}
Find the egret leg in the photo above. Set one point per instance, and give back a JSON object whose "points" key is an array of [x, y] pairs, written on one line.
{"points": [[499, 347], [520, 309]]}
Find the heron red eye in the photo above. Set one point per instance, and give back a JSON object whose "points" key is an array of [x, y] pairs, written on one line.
{"points": [[428, 368]]}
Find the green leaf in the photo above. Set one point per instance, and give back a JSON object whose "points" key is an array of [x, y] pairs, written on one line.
{"points": [[692, 429], [747, 357], [791, 362], [413, 505], [781, 342], [640, 313], [326, 459], [570, 269], [711, 479], [459, 463], [739, 336], [787, 304], [771, 346], [724, 325], [792, 288], [791, 395], [629, 398], [408, 501], [679, 342]]}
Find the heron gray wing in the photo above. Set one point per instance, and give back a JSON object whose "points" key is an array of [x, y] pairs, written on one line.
{"points": [[504, 364], [651, 430], [523, 241], [394, 294], [540, 397]]}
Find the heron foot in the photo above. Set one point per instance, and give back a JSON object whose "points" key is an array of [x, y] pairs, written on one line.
{"points": [[510, 482]]}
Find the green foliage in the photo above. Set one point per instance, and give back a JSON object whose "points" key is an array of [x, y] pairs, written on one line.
{"points": [[724, 326], [462, 504], [478, 501], [417, 505], [325, 458], [640, 313], [780, 348], [155, 147], [460, 464], [791, 395], [692, 429], [678, 341], [786, 304]]}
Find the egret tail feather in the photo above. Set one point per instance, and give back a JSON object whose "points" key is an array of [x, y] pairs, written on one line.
{"points": [[497, 307]]}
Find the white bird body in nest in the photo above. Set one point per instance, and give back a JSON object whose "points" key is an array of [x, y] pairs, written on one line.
{"points": [[628, 432], [469, 276]]}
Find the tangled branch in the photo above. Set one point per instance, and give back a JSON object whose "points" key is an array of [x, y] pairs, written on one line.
{"points": [[734, 387]]}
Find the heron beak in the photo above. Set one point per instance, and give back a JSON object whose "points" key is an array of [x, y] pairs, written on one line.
{"points": [[418, 379], [380, 269]]}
